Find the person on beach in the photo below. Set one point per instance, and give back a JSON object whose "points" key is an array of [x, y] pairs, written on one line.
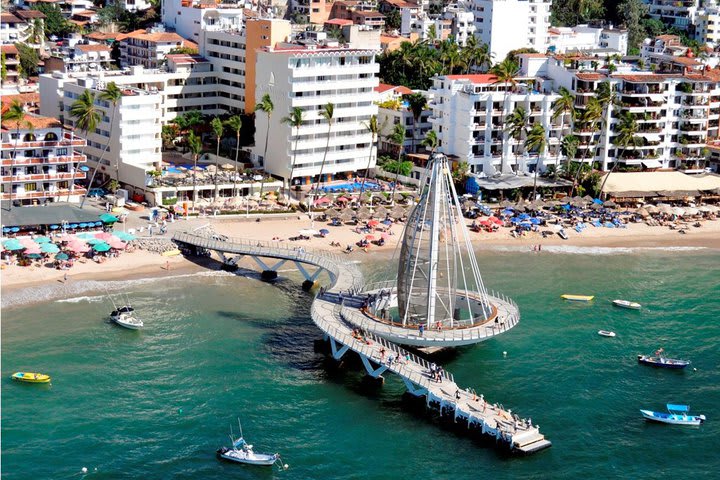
{"points": [[65, 278]]}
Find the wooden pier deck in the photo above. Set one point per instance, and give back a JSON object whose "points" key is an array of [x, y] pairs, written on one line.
{"points": [[333, 312]]}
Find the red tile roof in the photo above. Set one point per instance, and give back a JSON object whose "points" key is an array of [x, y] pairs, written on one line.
{"points": [[590, 76], [338, 21], [36, 121], [182, 58], [93, 48], [384, 87]]}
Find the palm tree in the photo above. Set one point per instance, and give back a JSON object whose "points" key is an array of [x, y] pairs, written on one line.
{"points": [[16, 114], [568, 147], [235, 124], [295, 120], [188, 121], [217, 127], [417, 104], [398, 138], [328, 113], [626, 131], [536, 141], [505, 72], [195, 145], [565, 103], [373, 128], [516, 126], [431, 141], [266, 105], [588, 119], [87, 116], [112, 95]]}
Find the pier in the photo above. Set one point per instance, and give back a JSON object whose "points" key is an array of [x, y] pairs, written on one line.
{"points": [[338, 312]]}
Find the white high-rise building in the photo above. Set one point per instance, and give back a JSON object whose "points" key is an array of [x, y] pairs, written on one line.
{"points": [[507, 25], [468, 113], [192, 18], [310, 77]]}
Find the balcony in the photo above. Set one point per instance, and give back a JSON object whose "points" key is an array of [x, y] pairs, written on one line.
{"points": [[20, 161], [36, 177], [65, 142], [63, 192]]}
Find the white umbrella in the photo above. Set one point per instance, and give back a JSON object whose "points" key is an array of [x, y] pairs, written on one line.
{"points": [[678, 211], [691, 211]]}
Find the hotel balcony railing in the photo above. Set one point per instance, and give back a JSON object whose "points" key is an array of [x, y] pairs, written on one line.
{"points": [[43, 160], [34, 177], [66, 141], [43, 194]]}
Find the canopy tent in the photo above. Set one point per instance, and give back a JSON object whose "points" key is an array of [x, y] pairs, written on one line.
{"points": [[652, 184], [511, 181], [54, 214]]}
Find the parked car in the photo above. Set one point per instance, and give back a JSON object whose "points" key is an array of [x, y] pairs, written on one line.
{"points": [[97, 192]]}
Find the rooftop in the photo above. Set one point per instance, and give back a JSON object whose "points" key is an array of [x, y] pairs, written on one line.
{"points": [[26, 14], [93, 48], [10, 18], [53, 213], [483, 78], [384, 87], [36, 121], [183, 58]]}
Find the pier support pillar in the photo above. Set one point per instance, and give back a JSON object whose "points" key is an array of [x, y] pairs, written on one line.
{"points": [[372, 371], [373, 382], [268, 275], [311, 277], [307, 285], [337, 353], [414, 390]]}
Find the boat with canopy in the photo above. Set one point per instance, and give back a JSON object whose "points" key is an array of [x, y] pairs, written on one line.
{"points": [[676, 415]]}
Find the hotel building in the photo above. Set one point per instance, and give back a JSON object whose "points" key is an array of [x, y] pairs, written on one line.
{"points": [[40, 164]]}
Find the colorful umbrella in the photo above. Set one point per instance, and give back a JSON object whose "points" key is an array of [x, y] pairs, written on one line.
{"points": [[62, 256], [78, 247], [324, 231], [33, 256], [54, 227], [95, 241], [32, 250], [125, 237], [373, 223], [103, 235], [13, 244], [101, 247], [369, 237], [116, 243], [49, 248], [107, 218], [42, 240]]}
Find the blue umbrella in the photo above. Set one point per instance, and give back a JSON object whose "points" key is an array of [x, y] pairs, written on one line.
{"points": [[535, 221], [598, 201], [524, 216], [62, 256], [107, 218], [101, 247], [515, 220], [54, 227], [125, 237], [73, 225], [42, 240], [13, 244], [49, 248], [566, 207], [526, 224], [98, 224], [84, 225], [86, 236], [6, 229], [94, 241], [34, 256], [508, 211], [15, 229], [324, 231]]}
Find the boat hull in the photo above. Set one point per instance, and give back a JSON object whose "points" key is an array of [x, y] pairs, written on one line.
{"points": [[129, 326], [31, 377], [238, 456], [672, 419], [626, 304], [670, 363], [605, 333], [577, 298]]}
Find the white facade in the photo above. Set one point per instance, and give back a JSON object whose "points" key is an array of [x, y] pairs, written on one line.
{"points": [[414, 132], [192, 21], [134, 5], [309, 78], [587, 38], [463, 24], [507, 25], [677, 13], [468, 112], [150, 48], [708, 24]]}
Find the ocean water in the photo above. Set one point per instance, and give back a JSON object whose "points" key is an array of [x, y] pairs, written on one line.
{"points": [[157, 403]]}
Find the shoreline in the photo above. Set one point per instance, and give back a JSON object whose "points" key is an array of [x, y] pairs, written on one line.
{"points": [[16, 282]]}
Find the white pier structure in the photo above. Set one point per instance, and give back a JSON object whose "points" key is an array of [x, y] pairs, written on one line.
{"points": [[333, 311]]}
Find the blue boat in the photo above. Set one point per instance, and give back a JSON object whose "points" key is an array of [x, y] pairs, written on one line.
{"points": [[662, 362], [677, 415]]}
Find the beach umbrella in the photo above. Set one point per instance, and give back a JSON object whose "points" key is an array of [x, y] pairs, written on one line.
{"points": [[101, 247], [103, 235], [78, 247], [651, 209], [49, 248], [588, 199], [387, 221], [227, 166], [6, 229], [33, 255], [42, 240], [373, 223], [99, 224], [596, 206], [678, 211], [485, 223], [94, 241], [535, 221], [82, 236], [54, 227], [117, 244], [369, 237], [15, 229], [643, 212], [506, 204], [691, 211], [107, 218], [86, 225], [125, 237], [33, 250], [610, 204], [73, 225], [321, 201], [13, 244], [62, 256], [27, 242], [664, 208]]}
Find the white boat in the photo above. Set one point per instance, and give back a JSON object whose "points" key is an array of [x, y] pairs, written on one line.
{"points": [[606, 333], [242, 452], [627, 304], [677, 415], [127, 320]]}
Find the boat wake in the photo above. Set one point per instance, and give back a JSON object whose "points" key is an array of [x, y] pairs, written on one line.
{"points": [[80, 290]]}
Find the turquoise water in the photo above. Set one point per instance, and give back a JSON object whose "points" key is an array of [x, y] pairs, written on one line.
{"points": [[157, 403]]}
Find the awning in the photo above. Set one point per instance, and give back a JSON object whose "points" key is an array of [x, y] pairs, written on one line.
{"points": [[678, 408], [651, 163]]}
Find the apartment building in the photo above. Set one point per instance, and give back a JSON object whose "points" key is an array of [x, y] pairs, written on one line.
{"points": [[309, 77], [41, 162], [134, 5], [493, 18], [707, 30], [191, 19], [392, 110], [589, 39], [149, 48], [468, 113], [677, 13], [12, 64], [311, 11]]}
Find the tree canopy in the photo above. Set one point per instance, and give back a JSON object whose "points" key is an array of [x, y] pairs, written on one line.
{"points": [[55, 23]]}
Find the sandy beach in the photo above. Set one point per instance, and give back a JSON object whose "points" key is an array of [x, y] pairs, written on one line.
{"points": [[143, 264]]}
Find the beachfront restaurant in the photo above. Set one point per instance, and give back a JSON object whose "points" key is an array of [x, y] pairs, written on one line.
{"points": [[640, 187], [495, 188], [50, 219]]}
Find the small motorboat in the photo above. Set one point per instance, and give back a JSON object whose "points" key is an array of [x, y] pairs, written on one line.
{"points": [[627, 304], [577, 298], [125, 309], [677, 415], [661, 361], [31, 377], [127, 320], [242, 452], [606, 333]]}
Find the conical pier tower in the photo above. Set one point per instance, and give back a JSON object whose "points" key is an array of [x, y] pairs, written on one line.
{"points": [[439, 297]]}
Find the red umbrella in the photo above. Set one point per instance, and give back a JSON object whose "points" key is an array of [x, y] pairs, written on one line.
{"points": [[103, 235], [373, 223], [485, 223], [342, 199], [370, 237], [321, 201], [496, 220], [117, 243]]}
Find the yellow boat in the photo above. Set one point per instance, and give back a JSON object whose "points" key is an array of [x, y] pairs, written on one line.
{"points": [[171, 253], [578, 298], [31, 377]]}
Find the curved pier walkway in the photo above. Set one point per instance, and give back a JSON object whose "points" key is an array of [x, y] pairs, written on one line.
{"points": [[332, 312]]}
